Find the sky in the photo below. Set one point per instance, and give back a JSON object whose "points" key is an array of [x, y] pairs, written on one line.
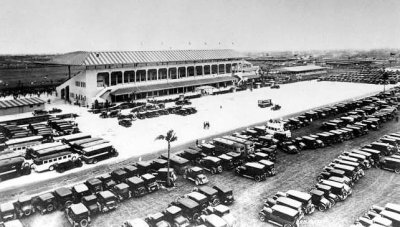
{"points": [[59, 26]]}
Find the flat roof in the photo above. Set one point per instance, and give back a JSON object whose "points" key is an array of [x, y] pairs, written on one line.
{"points": [[20, 102], [169, 85], [302, 68], [83, 58]]}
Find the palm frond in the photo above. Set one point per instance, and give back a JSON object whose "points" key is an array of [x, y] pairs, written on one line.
{"points": [[160, 137]]}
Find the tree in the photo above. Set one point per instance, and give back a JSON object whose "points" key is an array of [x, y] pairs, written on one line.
{"points": [[169, 137]]}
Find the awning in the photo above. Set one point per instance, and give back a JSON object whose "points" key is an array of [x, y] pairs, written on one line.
{"points": [[170, 85], [4, 104]]}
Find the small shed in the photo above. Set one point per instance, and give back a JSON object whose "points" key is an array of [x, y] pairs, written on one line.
{"points": [[16, 106]]}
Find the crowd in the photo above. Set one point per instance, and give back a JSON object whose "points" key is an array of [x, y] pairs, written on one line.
{"points": [[27, 92]]}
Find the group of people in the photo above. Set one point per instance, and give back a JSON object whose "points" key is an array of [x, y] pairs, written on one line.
{"points": [[206, 125], [27, 92]]}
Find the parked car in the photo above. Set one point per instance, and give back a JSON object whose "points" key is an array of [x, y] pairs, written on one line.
{"points": [[137, 186], [24, 206], [280, 215], [251, 170], [45, 203], [196, 175], [225, 194], [392, 164], [319, 200], [150, 182], [107, 200], [78, 215], [173, 215], [64, 197], [211, 164], [91, 203]]}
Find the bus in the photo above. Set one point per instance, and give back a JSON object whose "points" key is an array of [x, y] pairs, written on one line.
{"points": [[249, 146], [93, 143], [91, 155], [50, 162], [72, 137], [50, 151], [21, 144], [78, 143], [224, 146], [36, 148]]}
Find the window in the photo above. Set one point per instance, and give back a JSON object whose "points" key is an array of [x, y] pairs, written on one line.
{"points": [[181, 72], [214, 69], [221, 69], [59, 158], [172, 73], [103, 79], [199, 70], [45, 162], [162, 74], [116, 78], [228, 68], [190, 71], [77, 83], [50, 161], [129, 76], [83, 84], [152, 74], [69, 156], [140, 75]]}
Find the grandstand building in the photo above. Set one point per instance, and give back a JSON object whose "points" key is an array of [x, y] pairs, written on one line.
{"points": [[304, 72], [135, 75]]}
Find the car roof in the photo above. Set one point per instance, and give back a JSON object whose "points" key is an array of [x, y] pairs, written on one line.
{"points": [[212, 158], [290, 201], [266, 162], [135, 180], [93, 181], [121, 186], [46, 196], [392, 206], [255, 165], [196, 169], [215, 220], [80, 188], [299, 194], [78, 208], [63, 191], [90, 197], [13, 223], [224, 156], [148, 176], [222, 208], [137, 222], [188, 203], [382, 220], [196, 196], [106, 194], [166, 170], [173, 209], [6, 206], [208, 190], [223, 188], [286, 210], [317, 192]]}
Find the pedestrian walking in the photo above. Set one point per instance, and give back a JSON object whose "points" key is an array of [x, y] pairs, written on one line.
{"points": [[197, 142]]}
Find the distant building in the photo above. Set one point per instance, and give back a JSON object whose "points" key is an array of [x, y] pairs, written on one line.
{"points": [[134, 75], [21, 105], [347, 63], [304, 72]]}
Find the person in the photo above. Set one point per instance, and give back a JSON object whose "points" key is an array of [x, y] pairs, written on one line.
{"points": [[197, 142]]}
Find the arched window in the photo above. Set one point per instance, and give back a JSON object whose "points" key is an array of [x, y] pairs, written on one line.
{"points": [[199, 70], [207, 70]]}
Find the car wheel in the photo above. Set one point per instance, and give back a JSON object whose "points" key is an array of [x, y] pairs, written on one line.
{"points": [[397, 171], [196, 182], [84, 223], [258, 178], [333, 202], [261, 217], [28, 212], [95, 161], [51, 168], [68, 204], [50, 208], [321, 208], [287, 225], [212, 171], [219, 169], [216, 202]]}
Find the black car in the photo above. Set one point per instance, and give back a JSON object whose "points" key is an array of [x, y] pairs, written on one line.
{"points": [[251, 170]]}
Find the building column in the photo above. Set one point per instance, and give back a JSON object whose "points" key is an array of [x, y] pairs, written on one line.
{"points": [[109, 79], [157, 73], [146, 74], [123, 77]]}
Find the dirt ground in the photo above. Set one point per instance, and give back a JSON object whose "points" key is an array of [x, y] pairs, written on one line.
{"points": [[294, 172]]}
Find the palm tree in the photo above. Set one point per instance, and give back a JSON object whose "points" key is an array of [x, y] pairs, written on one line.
{"points": [[169, 137]]}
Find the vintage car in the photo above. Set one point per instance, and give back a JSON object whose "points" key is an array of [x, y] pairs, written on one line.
{"points": [[252, 170], [280, 215], [319, 200], [137, 186], [78, 215], [107, 201], [45, 203], [196, 175], [225, 194], [211, 164], [64, 197]]}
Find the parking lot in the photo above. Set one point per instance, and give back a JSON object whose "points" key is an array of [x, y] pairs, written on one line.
{"points": [[294, 172]]}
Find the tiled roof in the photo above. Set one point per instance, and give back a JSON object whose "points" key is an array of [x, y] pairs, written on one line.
{"points": [[131, 57], [4, 104]]}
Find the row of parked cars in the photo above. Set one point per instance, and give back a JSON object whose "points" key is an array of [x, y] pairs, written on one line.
{"points": [[287, 208], [378, 216], [370, 76], [204, 206]]}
